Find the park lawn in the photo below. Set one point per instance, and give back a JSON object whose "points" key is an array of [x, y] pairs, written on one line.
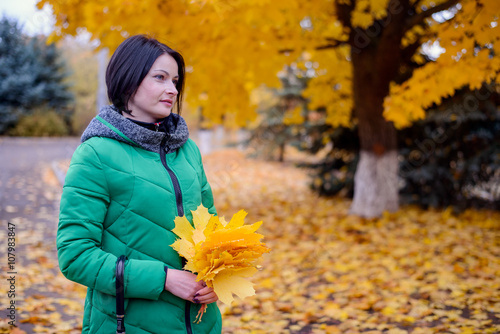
{"points": [[414, 271]]}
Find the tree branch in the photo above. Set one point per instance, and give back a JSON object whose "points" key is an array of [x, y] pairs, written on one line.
{"points": [[331, 43], [418, 18], [408, 52], [343, 13], [331, 46]]}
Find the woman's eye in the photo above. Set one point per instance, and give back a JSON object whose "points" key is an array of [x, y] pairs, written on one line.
{"points": [[159, 76], [175, 82]]}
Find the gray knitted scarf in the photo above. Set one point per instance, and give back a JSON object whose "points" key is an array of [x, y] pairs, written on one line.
{"points": [[177, 131]]}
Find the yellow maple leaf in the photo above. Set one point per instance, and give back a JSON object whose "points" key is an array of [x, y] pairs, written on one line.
{"points": [[222, 254], [183, 228], [233, 281]]}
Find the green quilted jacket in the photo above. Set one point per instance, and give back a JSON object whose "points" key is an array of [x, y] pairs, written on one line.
{"points": [[124, 187]]}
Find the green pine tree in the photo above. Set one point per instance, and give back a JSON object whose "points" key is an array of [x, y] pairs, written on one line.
{"points": [[32, 76], [272, 133]]}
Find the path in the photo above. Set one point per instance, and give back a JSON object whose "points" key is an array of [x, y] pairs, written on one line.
{"points": [[23, 161], [29, 197]]}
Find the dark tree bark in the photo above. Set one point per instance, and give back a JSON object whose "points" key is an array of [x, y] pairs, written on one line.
{"points": [[376, 57]]}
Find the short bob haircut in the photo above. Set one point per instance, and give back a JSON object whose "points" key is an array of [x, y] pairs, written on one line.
{"points": [[129, 65]]}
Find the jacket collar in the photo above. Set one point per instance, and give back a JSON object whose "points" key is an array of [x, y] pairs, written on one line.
{"points": [[110, 123]]}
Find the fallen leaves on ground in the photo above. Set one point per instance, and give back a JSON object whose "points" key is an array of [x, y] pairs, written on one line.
{"points": [[46, 302], [415, 271]]}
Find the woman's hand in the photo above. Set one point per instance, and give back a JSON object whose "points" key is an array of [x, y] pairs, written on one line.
{"points": [[183, 284], [205, 296]]}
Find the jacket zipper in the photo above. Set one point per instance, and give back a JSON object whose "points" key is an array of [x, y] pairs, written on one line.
{"points": [[180, 211], [175, 181], [187, 317]]}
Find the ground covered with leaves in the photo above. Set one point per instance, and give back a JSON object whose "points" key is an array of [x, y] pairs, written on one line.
{"points": [[414, 271]]}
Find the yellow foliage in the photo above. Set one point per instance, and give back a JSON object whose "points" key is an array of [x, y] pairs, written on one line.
{"points": [[367, 11], [294, 116], [222, 254], [337, 101], [460, 65], [231, 48]]}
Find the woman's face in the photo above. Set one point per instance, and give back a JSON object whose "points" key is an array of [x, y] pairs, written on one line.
{"points": [[156, 95]]}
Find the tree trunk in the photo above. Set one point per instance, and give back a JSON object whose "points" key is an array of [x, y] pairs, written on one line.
{"points": [[375, 65], [376, 178], [376, 184], [281, 152]]}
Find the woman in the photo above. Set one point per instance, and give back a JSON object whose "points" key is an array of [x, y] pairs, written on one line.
{"points": [[135, 171]]}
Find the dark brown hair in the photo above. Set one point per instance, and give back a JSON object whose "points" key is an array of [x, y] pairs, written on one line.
{"points": [[131, 62]]}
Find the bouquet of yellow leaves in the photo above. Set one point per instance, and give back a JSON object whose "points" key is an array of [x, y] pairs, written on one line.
{"points": [[221, 254]]}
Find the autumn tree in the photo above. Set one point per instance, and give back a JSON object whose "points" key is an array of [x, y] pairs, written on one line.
{"points": [[450, 158], [280, 109], [369, 56]]}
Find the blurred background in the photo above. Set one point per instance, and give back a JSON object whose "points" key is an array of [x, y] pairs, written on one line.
{"points": [[296, 81]]}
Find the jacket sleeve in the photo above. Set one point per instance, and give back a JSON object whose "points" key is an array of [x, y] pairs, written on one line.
{"points": [[207, 197], [84, 204]]}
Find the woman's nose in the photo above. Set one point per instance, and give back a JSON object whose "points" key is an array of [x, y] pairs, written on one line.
{"points": [[171, 89]]}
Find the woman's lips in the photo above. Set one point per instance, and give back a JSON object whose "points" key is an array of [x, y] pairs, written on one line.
{"points": [[168, 102]]}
